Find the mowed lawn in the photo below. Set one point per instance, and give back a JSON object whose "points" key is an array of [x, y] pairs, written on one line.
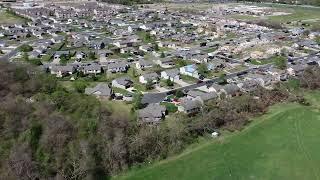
{"points": [[283, 144]]}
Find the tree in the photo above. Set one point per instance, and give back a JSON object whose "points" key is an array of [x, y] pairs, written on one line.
{"points": [[80, 86], [134, 72], [147, 37], [92, 55], [21, 164], [137, 101], [222, 79], [281, 62], [180, 63], [162, 55], [169, 82], [203, 69], [25, 48], [179, 94], [64, 58], [25, 56], [36, 62], [156, 47], [149, 84]]}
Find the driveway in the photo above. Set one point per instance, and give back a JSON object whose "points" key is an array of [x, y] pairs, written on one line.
{"points": [[181, 83], [161, 89]]}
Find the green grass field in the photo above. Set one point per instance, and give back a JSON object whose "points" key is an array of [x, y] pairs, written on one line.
{"points": [[283, 144], [310, 15]]}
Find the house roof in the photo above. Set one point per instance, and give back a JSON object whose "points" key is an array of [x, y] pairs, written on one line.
{"points": [[59, 53], [152, 111], [231, 88], [204, 96], [143, 62], [190, 68], [250, 84], [66, 68], [123, 81], [190, 104], [172, 72], [120, 64], [101, 89], [165, 60], [151, 76], [92, 67], [298, 67], [216, 87]]}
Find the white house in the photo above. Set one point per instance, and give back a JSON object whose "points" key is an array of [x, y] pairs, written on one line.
{"points": [[154, 77], [142, 64], [190, 70], [172, 74]]}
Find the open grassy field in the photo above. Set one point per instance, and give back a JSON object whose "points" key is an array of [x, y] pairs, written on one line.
{"points": [[283, 144], [8, 18], [310, 15]]}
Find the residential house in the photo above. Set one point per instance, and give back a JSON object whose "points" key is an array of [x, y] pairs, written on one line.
{"points": [[152, 114], [190, 70], [202, 96], [172, 74], [91, 69], [296, 70], [122, 82], [153, 77], [248, 85], [229, 90], [165, 62], [38, 34], [97, 44], [214, 88], [80, 55], [146, 48], [34, 54], [190, 106], [57, 39], [115, 67], [143, 64], [61, 71], [59, 54], [100, 90], [103, 54]]}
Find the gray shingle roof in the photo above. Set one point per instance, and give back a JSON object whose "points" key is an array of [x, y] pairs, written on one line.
{"points": [[92, 67], [123, 81], [67, 68], [151, 76], [101, 90], [152, 111], [204, 96], [231, 88], [190, 104], [172, 72]]}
